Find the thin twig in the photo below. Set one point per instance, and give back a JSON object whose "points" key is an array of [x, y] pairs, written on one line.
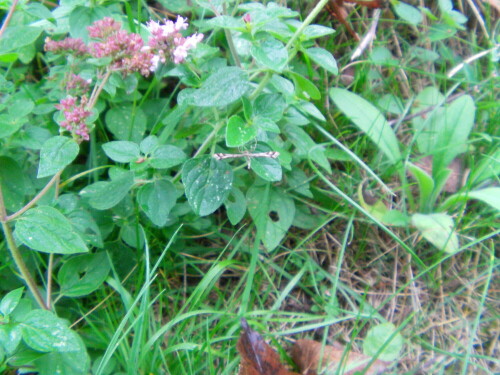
{"points": [[36, 199]]}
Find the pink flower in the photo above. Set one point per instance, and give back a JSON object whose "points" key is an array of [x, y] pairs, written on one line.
{"points": [[69, 46], [75, 116], [166, 40]]}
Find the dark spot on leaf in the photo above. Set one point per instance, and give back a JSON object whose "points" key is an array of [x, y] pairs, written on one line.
{"points": [[274, 216]]}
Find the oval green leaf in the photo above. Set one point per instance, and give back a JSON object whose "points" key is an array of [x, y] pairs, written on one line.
{"points": [[56, 153], [370, 120], [47, 230], [207, 182]]}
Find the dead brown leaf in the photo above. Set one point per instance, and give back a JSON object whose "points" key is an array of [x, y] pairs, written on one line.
{"points": [[257, 357], [308, 353]]}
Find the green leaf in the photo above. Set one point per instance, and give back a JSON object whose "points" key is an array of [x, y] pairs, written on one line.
{"points": [[270, 106], [21, 107], [167, 156], [270, 53], [74, 362], [207, 182], [10, 124], [304, 88], [47, 230], [56, 153], [310, 109], [369, 119], [122, 151], [223, 87], [10, 301], [273, 213], [266, 124], [266, 168], [149, 144], [83, 274], [45, 332], [490, 196], [157, 199], [15, 183], [236, 206], [83, 16], [438, 229], [126, 122], [316, 31], [305, 146], [224, 22], [377, 337], [408, 13], [103, 195], [16, 37], [425, 184], [323, 58], [238, 132]]}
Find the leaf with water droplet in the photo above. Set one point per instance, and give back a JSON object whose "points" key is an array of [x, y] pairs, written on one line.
{"points": [[207, 182]]}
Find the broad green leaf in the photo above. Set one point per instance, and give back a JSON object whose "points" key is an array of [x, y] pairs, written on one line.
{"points": [[236, 206], [56, 153], [83, 274], [126, 122], [45, 332], [86, 225], [490, 196], [299, 182], [408, 13], [133, 235], [308, 108], [452, 139], [378, 336], [21, 107], [207, 182], [122, 151], [45, 229], [83, 16], [10, 336], [167, 156], [270, 106], [10, 301], [425, 184], [10, 124], [15, 184], [316, 31], [266, 168], [270, 53], [157, 199], [74, 362], [304, 88], [266, 124], [273, 213], [238, 132], [149, 144], [438, 229], [323, 58], [369, 119], [103, 195], [225, 22], [16, 37], [305, 146], [223, 87]]}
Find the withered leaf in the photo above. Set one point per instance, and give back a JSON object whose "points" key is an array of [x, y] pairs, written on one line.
{"points": [[308, 353], [257, 357]]}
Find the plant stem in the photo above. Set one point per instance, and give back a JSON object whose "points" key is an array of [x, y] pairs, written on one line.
{"points": [[318, 8], [16, 255], [34, 200]]}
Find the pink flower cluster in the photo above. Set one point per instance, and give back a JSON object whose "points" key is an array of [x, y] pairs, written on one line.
{"points": [[127, 50], [75, 115], [70, 46], [166, 39]]}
